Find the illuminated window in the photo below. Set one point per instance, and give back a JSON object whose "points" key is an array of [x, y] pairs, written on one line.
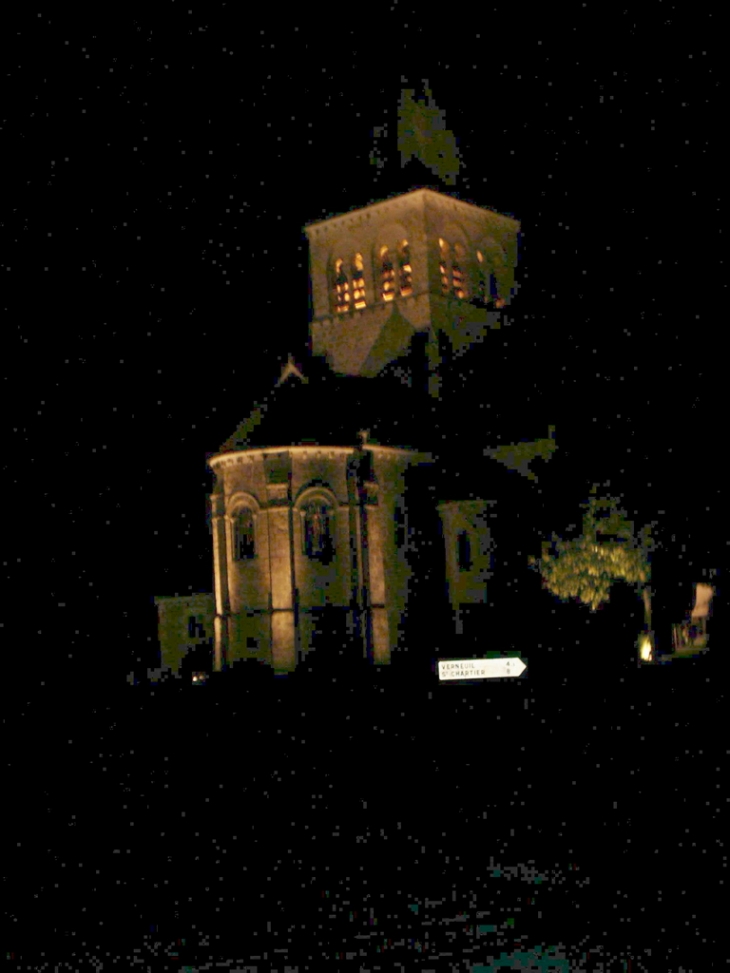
{"points": [[358, 281], [404, 266], [396, 276], [444, 249], [387, 274], [451, 267], [341, 288], [318, 541], [458, 278], [463, 551], [243, 535], [483, 280]]}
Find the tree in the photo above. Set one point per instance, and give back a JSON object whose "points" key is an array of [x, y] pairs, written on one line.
{"points": [[422, 134], [608, 550], [519, 456]]}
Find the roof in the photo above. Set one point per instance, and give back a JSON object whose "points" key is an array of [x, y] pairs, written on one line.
{"points": [[418, 195], [309, 404]]}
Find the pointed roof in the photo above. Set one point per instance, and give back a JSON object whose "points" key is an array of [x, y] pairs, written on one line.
{"points": [[310, 405], [290, 370]]}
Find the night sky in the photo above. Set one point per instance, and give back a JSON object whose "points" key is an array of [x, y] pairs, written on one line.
{"points": [[158, 171]]}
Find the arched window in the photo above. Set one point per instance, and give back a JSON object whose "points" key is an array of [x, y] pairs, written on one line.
{"points": [[463, 551], [483, 280], [458, 277], [341, 287], [387, 274], [358, 281], [444, 255], [318, 539], [405, 270], [487, 291], [244, 546]]}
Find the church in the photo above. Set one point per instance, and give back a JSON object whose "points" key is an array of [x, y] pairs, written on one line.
{"points": [[354, 513]]}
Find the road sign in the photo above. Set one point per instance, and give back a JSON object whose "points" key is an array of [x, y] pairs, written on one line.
{"points": [[480, 668]]}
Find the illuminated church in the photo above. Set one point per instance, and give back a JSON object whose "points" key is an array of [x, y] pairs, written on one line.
{"points": [[353, 511]]}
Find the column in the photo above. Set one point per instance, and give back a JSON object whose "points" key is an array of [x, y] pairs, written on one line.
{"points": [[220, 580], [374, 575], [281, 572]]}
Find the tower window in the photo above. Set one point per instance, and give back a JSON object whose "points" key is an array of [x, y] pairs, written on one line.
{"points": [[458, 278], [444, 265], [463, 551], [318, 541], [387, 274], [358, 281], [487, 292], [243, 535], [398, 274], [195, 628], [341, 287], [483, 281], [405, 270]]}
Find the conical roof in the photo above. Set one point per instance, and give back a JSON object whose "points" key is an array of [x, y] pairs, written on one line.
{"points": [[309, 404]]}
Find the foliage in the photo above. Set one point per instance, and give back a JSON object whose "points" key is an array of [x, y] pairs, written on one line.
{"points": [[584, 570], [422, 134], [519, 456], [608, 550]]}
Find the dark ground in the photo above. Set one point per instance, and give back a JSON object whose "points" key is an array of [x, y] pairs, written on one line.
{"points": [[377, 820]]}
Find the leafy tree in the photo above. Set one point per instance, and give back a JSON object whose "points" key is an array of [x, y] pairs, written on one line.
{"points": [[422, 134], [608, 550]]}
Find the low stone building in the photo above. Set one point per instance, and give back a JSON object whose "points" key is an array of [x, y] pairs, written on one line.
{"points": [[186, 625]]}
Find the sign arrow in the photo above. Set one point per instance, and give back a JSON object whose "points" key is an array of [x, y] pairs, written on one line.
{"points": [[480, 668]]}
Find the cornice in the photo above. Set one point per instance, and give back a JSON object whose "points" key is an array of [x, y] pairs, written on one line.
{"points": [[236, 457]]}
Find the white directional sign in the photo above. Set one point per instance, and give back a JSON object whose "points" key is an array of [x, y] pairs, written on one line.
{"points": [[480, 668]]}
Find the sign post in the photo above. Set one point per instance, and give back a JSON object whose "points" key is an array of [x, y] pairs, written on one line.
{"points": [[499, 668]]}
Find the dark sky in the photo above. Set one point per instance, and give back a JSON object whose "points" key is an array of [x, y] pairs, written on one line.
{"points": [[158, 170]]}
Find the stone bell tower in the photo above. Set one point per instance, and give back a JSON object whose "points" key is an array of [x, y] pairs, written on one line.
{"points": [[419, 262]]}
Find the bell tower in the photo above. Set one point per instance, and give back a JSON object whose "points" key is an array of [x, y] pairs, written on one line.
{"points": [[419, 262]]}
